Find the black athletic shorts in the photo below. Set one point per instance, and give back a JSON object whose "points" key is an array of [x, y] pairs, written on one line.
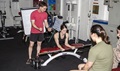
{"points": [[36, 37]]}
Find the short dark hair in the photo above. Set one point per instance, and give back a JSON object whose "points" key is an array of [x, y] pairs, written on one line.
{"points": [[42, 3]]}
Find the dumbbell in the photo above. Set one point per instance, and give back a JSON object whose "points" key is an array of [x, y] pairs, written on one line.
{"points": [[36, 63]]}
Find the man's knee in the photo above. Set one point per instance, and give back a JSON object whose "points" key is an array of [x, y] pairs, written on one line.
{"points": [[31, 46], [39, 43]]}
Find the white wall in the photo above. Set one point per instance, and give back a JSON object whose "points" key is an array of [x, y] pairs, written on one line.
{"points": [[114, 21], [84, 20], [65, 10], [114, 16]]}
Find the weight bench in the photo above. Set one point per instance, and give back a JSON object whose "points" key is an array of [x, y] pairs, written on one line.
{"points": [[51, 50]]}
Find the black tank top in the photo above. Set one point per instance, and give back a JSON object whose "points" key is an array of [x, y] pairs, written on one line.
{"points": [[61, 40]]}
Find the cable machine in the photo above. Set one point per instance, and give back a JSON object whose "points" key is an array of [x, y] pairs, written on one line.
{"points": [[3, 33]]}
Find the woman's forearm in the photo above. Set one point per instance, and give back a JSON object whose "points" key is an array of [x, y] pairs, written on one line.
{"points": [[59, 46], [68, 45]]}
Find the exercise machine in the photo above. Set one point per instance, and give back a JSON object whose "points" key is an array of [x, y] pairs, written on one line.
{"points": [[4, 32]]}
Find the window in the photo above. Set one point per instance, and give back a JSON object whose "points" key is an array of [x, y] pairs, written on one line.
{"points": [[95, 9]]}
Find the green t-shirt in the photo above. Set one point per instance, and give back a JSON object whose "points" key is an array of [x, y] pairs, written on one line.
{"points": [[102, 57]]}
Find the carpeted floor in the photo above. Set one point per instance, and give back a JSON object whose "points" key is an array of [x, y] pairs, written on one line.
{"points": [[13, 56]]}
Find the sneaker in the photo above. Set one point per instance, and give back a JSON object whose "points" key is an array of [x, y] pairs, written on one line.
{"points": [[28, 61]]}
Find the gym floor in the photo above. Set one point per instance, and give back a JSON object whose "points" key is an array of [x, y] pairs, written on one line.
{"points": [[13, 56]]}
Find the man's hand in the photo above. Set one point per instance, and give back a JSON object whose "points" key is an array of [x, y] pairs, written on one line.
{"points": [[40, 29]]}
